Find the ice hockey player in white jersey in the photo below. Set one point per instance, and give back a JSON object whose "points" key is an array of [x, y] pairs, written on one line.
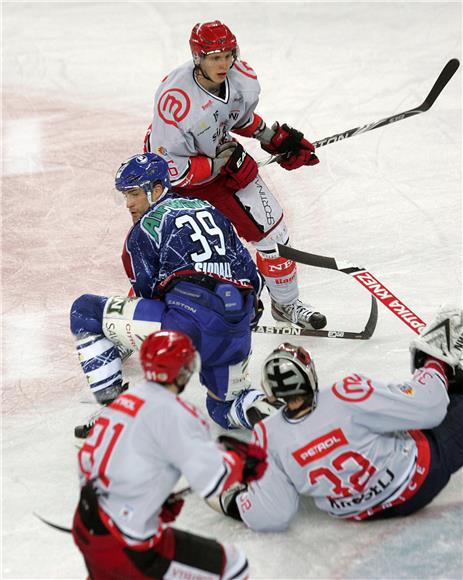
{"points": [[196, 108], [363, 449], [131, 461]]}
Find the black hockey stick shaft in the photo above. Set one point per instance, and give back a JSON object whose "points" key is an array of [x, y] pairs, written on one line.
{"points": [[363, 277], [331, 264], [446, 74], [52, 525], [442, 80], [172, 498], [364, 334]]}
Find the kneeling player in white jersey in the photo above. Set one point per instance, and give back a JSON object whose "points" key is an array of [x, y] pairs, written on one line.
{"points": [[363, 449], [134, 456], [195, 109]]}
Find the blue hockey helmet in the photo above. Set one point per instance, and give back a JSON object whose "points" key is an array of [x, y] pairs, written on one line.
{"points": [[144, 170]]}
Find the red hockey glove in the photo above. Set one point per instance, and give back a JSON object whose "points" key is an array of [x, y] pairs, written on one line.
{"points": [[297, 151], [240, 169], [254, 457], [171, 508]]}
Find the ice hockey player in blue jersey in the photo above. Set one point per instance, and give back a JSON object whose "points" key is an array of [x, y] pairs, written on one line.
{"points": [[189, 272]]}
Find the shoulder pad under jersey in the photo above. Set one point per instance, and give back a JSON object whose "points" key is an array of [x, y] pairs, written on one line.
{"points": [[173, 97]]}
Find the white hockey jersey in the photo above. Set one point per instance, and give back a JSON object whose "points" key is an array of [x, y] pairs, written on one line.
{"points": [[138, 449], [189, 121], [353, 454]]}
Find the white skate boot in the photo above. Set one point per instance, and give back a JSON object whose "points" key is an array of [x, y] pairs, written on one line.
{"points": [[299, 314]]}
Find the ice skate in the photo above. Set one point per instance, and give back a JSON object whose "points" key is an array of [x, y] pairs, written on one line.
{"points": [[82, 431], [299, 314]]}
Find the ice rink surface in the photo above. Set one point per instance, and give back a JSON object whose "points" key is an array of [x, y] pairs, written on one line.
{"points": [[78, 82]]}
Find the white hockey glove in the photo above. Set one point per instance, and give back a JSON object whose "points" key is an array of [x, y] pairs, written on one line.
{"points": [[222, 155], [442, 339], [226, 502]]}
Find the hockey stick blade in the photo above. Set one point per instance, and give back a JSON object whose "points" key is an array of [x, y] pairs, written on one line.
{"points": [[52, 525], [447, 73], [364, 334], [442, 80], [363, 277]]}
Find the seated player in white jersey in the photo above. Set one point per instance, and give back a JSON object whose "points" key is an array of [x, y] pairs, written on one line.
{"points": [[130, 463], [363, 449], [196, 108]]}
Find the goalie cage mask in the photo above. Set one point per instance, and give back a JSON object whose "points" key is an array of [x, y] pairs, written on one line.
{"points": [[289, 371], [144, 171]]}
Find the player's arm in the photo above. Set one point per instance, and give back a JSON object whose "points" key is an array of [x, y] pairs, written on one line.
{"points": [[140, 258], [283, 140], [421, 403], [175, 142], [210, 468], [267, 505]]}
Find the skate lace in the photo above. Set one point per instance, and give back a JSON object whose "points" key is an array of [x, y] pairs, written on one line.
{"points": [[299, 311]]}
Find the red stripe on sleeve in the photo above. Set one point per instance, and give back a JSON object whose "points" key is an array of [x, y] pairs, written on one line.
{"points": [[200, 169], [249, 130]]}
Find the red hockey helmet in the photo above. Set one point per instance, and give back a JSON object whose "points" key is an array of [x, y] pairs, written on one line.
{"points": [[211, 37], [169, 356]]}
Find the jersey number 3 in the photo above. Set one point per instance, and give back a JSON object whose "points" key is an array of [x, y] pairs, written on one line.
{"points": [[361, 470]]}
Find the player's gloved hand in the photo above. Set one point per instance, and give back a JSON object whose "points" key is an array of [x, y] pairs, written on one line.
{"points": [[228, 498], [171, 508], [289, 142], [240, 169], [441, 339], [222, 155], [254, 457]]}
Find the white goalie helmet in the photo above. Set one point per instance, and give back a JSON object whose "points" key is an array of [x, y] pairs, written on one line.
{"points": [[442, 339], [289, 371]]}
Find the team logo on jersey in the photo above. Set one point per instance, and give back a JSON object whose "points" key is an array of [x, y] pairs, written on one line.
{"points": [[234, 114], [173, 106], [353, 389], [320, 447], [407, 390], [206, 105]]}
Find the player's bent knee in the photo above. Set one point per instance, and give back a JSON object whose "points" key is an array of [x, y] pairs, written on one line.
{"points": [[128, 321], [87, 314], [236, 566], [278, 235]]}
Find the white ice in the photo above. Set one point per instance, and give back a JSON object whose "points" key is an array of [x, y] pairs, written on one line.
{"points": [[78, 82]]}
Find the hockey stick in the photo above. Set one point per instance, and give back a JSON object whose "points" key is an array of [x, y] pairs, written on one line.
{"points": [[171, 499], [364, 334], [446, 74], [52, 525], [365, 278]]}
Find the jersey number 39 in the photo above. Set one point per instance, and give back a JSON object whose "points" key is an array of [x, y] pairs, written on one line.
{"points": [[205, 232]]}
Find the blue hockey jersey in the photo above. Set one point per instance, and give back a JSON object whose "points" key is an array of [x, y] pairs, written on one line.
{"points": [[179, 234]]}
